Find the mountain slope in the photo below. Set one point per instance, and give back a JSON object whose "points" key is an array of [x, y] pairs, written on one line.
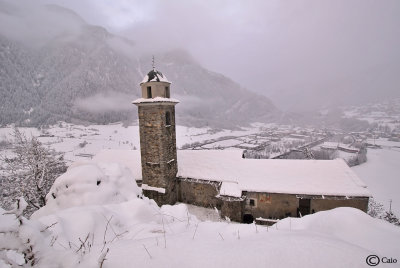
{"points": [[81, 72]]}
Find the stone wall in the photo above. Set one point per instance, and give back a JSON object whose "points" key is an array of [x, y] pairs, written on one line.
{"points": [[325, 204], [271, 206], [158, 149], [199, 193], [169, 197], [278, 206], [233, 209]]}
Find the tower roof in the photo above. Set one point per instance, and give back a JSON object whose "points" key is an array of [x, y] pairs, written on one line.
{"points": [[154, 76]]}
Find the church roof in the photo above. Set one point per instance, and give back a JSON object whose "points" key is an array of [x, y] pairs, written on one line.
{"points": [[154, 76], [304, 177]]}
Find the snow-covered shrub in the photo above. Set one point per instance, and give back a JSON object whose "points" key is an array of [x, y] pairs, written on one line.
{"points": [[390, 217], [376, 210], [91, 184], [22, 242]]}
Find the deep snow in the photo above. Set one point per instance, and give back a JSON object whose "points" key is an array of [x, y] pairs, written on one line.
{"points": [[140, 234], [381, 173]]}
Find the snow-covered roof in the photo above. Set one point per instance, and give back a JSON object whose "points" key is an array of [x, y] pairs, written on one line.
{"points": [[230, 188], [329, 145], [154, 76], [306, 177], [156, 99]]}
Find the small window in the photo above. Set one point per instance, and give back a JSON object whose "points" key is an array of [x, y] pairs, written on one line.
{"points": [[167, 94], [252, 202], [149, 96], [167, 119]]}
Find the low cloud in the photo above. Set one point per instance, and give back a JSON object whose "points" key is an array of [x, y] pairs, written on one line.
{"points": [[35, 25], [105, 102]]}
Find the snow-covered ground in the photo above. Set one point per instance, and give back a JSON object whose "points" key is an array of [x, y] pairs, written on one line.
{"points": [[81, 142], [101, 202], [381, 173], [134, 232]]}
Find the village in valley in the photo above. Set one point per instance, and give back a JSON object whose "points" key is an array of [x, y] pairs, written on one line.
{"points": [[259, 140]]}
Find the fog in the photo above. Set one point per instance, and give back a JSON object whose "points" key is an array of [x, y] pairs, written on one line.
{"points": [[103, 103], [34, 25], [317, 50]]}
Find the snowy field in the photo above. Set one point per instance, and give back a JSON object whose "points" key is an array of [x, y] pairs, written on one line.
{"points": [[381, 173], [79, 142], [114, 226]]}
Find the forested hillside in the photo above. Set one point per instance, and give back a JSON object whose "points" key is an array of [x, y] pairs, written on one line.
{"points": [[77, 72]]}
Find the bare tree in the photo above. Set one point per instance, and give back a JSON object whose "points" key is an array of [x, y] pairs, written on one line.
{"points": [[31, 171]]}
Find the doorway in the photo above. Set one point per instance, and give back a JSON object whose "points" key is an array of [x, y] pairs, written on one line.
{"points": [[248, 218], [304, 207]]}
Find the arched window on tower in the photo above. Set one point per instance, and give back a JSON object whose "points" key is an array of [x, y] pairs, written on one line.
{"points": [[149, 95], [167, 94], [167, 119]]}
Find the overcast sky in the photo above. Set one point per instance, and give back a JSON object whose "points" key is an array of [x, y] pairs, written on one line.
{"points": [[266, 46]]}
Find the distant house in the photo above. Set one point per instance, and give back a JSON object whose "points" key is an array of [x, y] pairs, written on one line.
{"points": [[243, 189]]}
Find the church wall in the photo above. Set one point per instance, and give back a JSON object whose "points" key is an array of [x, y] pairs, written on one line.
{"points": [[233, 209], [199, 193], [278, 206], [325, 204], [271, 205]]}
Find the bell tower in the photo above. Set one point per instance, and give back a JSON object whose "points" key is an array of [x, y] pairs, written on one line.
{"points": [[157, 138]]}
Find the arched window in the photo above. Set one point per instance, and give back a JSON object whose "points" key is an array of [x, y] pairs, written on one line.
{"points": [[167, 119], [167, 94], [149, 95]]}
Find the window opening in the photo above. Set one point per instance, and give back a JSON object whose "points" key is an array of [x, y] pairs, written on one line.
{"points": [[252, 202], [167, 119], [167, 94], [149, 96]]}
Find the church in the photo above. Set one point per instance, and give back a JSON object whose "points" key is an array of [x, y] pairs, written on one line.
{"points": [[243, 190]]}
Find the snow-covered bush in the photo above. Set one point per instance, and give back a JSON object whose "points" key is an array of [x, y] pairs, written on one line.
{"points": [[22, 242], [91, 184], [376, 210], [390, 217]]}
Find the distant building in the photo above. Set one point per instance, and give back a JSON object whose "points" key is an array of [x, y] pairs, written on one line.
{"points": [[243, 189]]}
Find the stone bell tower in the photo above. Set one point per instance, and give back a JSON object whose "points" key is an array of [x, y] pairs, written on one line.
{"points": [[157, 138]]}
